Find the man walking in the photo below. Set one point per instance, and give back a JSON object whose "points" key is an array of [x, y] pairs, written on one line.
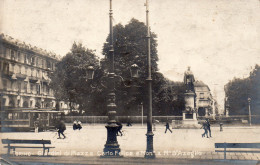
{"points": [[167, 127], [205, 127], [208, 127], [119, 129], [61, 128]]}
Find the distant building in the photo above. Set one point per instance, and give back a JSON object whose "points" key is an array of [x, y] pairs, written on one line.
{"points": [[24, 70], [203, 99]]}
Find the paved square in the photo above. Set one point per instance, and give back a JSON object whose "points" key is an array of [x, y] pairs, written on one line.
{"points": [[181, 143]]}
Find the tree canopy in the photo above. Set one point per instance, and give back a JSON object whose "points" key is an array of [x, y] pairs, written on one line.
{"points": [[239, 90], [69, 79]]}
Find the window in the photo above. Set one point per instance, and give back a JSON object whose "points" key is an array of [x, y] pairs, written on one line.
{"points": [[48, 65], [25, 70], [33, 61], [25, 59], [202, 95], [25, 87], [19, 86], [20, 69], [19, 56], [37, 73], [4, 52], [5, 84], [32, 72], [12, 55], [38, 89], [31, 88]]}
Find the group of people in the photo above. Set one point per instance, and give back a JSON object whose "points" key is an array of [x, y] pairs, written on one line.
{"points": [[206, 127], [77, 125]]}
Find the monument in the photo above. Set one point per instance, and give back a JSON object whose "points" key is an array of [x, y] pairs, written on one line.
{"points": [[189, 114]]}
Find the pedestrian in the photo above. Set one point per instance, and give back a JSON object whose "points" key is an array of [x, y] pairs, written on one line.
{"points": [[79, 125], [208, 127], [128, 124], [167, 127], [61, 128], [205, 127], [75, 125], [120, 126], [36, 125]]}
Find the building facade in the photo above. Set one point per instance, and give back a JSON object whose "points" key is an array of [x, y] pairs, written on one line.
{"points": [[24, 70], [203, 100]]}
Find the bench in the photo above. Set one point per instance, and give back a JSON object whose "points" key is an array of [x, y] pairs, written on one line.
{"points": [[20, 141], [225, 146]]}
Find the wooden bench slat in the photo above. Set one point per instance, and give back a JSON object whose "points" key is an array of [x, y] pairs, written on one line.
{"points": [[31, 142], [15, 141], [237, 151], [237, 145], [25, 147]]}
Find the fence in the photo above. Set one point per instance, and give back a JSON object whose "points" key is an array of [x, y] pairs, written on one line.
{"points": [[241, 119], [122, 119]]}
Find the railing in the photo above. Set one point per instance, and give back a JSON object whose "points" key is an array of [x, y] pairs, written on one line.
{"points": [[123, 119], [241, 119]]}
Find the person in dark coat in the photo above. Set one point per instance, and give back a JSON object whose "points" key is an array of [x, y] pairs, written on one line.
{"points": [[61, 128], [75, 125], [79, 125], [205, 127], [208, 127], [119, 129], [167, 127]]}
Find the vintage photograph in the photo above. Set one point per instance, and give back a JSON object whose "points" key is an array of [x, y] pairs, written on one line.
{"points": [[120, 82]]}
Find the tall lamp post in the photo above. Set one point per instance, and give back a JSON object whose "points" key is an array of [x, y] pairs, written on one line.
{"points": [[149, 148], [111, 148], [249, 110]]}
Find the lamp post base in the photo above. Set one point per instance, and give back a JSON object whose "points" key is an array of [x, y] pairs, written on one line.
{"points": [[149, 153], [111, 149]]}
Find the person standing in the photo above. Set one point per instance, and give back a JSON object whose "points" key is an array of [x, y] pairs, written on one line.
{"points": [[167, 127], [208, 127], [61, 128]]}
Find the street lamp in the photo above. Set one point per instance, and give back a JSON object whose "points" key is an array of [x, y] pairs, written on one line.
{"points": [[149, 148], [111, 148], [249, 110]]}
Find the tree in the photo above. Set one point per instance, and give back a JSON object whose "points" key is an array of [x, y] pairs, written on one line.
{"points": [[130, 47], [239, 90], [69, 79]]}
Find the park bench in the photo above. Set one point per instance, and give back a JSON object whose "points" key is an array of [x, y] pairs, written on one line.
{"points": [[237, 146], [31, 144]]}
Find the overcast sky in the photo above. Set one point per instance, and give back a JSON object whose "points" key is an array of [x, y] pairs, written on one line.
{"points": [[219, 39]]}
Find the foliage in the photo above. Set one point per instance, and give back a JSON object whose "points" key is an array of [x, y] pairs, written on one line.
{"points": [[239, 90], [69, 79], [130, 47]]}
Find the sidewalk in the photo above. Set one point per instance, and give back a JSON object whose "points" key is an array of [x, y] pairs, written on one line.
{"points": [[77, 160]]}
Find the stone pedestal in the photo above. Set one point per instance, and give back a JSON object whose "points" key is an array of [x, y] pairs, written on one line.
{"points": [[189, 115]]}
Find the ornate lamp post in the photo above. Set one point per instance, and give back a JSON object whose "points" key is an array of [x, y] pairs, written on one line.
{"points": [[249, 111], [149, 148], [111, 148]]}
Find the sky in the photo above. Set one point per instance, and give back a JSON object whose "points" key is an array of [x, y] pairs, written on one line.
{"points": [[218, 39]]}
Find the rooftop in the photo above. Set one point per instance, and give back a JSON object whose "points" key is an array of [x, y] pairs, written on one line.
{"points": [[23, 45]]}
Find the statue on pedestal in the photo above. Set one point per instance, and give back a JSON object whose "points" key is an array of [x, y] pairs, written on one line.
{"points": [[189, 80]]}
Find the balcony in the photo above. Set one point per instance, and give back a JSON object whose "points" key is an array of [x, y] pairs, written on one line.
{"points": [[33, 79], [21, 76]]}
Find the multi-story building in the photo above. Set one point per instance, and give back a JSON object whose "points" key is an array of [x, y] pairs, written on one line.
{"points": [[24, 70], [203, 99]]}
